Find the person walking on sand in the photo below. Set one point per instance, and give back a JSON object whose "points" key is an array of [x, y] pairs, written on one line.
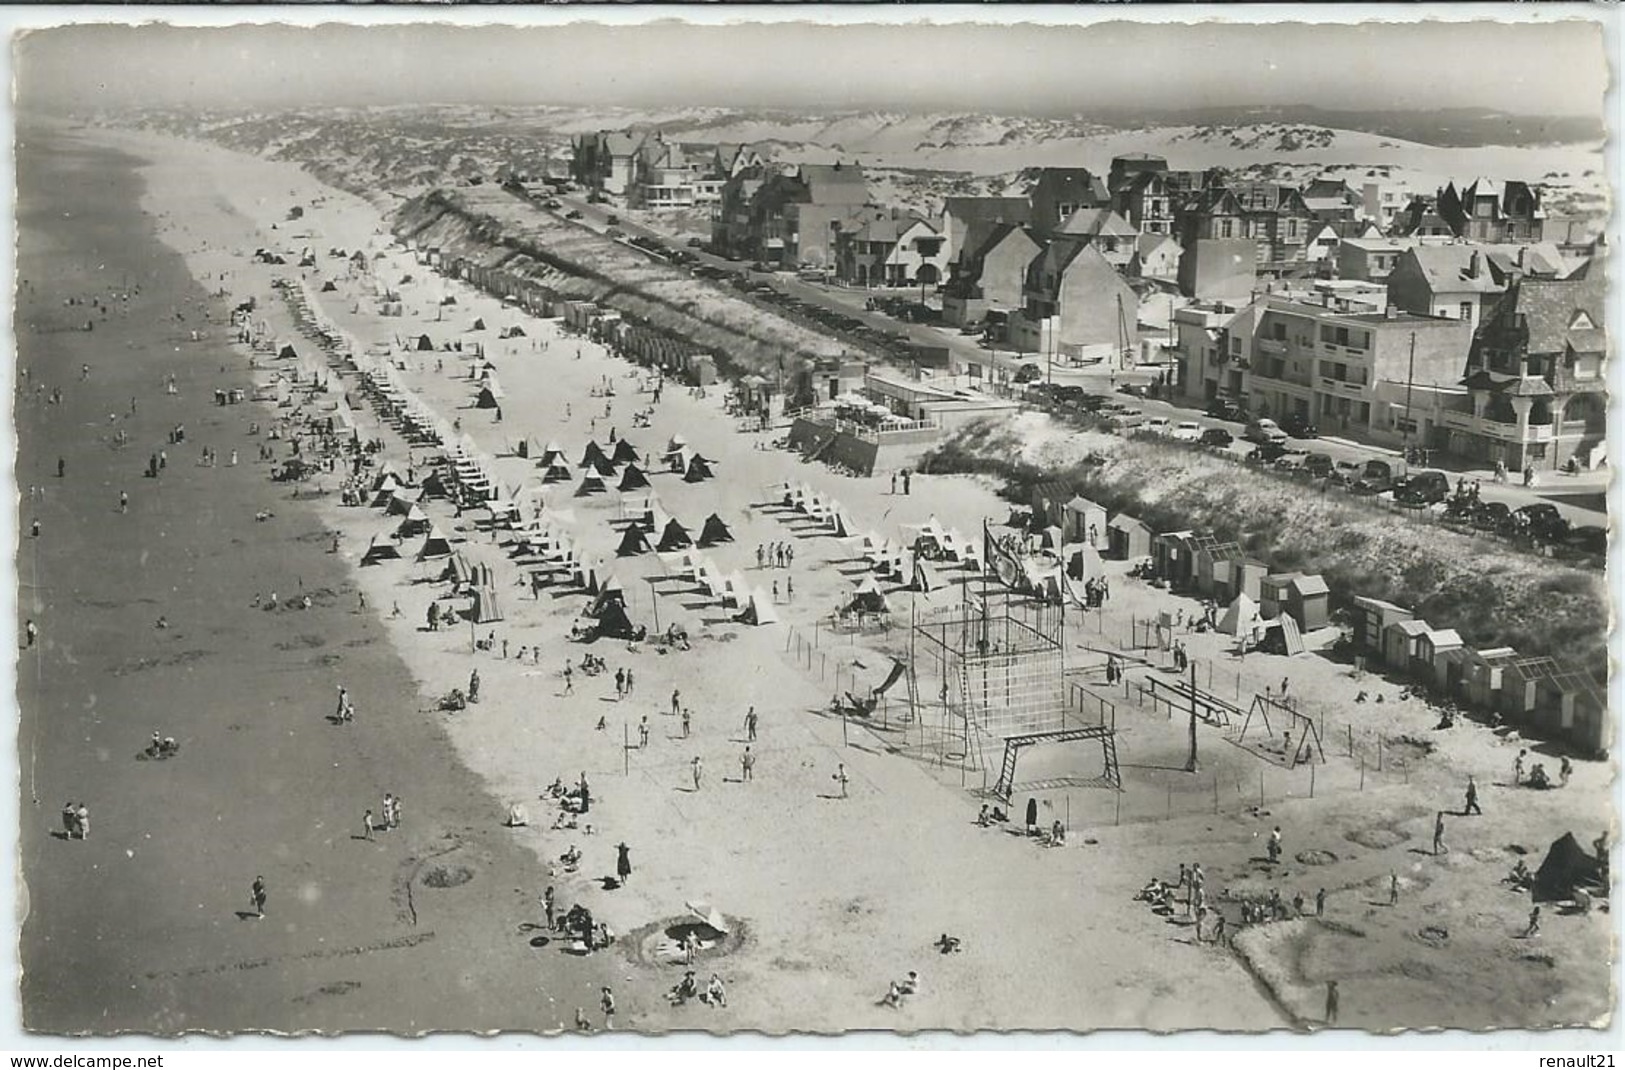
{"points": [[698, 770], [686, 713], [761, 555], [750, 725], [840, 777], [30, 633], [606, 1000], [1534, 924], [620, 684], [123, 501], [1517, 768], [1393, 888], [747, 763], [257, 896], [366, 826], [1438, 833], [1320, 903], [547, 905], [569, 679], [1565, 769], [1472, 798], [676, 702], [1275, 844], [474, 686], [623, 862], [1331, 1002], [643, 733]]}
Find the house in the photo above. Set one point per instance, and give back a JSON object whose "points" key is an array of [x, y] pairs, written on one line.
{"points": [[1332, 200], [1212, 341], [1372, 618], [1143, 194], [1084, 522], [1420, 218], [729, 159], [1321, 248], [1490, 211], [1276, 217], [1156, 256], [1217, 269], [1369, 259], [1105, 230], [1401, 641], [788, 218], [967, 221], [1536, 374], [885, 248], [733, 227], [1060, 191], [1075, 305], [990, 277], [1128, 539], [1451, 281], [605, 160], [1213, 565]]}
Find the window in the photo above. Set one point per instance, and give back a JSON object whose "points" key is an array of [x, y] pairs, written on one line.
{"points": [[1466, 310], [1235, 346], [1291, 228], [1225, 228], [1278, 331]]}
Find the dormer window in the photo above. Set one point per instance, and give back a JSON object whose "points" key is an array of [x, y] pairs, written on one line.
{"points": [[1581, 321]]}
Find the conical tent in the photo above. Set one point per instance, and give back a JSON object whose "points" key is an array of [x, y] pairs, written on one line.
{"points": [[674, 537], [424, 344], [842, 526], [758, 610], [1566, 867], [556, 473], [633, 478], [677, 443], [591, 483], [699, 469], [633, 542], [715, 531], [869, 598], [925, 577], [604, 468], [613, 623], [385, 494], [625, 452], [1083, 562], [1241, 618], [458, 571], [592, 455], [550, 453], [387, 474], [479, 325], [610, 594], [434, 545], [381, 549], [416, 523], [485, 609], [287, 353]]}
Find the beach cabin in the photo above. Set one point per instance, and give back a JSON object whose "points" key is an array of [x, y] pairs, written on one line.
{"points": [[1399, 642], [1127, 538], [1306, 599], [1372, 618], [1213, 565], [1085, 522], [1173, 557], [1570, 706], [1048, 501], [1436, 662], [1518, 683], [1481, 675], [1239, 574]]}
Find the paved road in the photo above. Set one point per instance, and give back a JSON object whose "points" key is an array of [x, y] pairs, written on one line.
{"points": [[1581, 499]]}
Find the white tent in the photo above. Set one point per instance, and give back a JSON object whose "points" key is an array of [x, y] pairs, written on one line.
{"points": [[759, 610], [1241, 618]]}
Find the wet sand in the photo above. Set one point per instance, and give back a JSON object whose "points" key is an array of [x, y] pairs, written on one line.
{"points": [[141, 927]]}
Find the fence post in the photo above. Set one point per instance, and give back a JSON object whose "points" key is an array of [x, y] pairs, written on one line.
{"points": [[1362, 772], [1351, 739], [1170, 800], [1311, 778], [1261, 789], [1215, 792], [1118, 795], [1379, 754]]}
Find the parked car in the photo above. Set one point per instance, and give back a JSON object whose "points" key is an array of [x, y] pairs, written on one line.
{"points": [[1224, 409], [1589, 539], [1291, 460], [1126, 418], [1217, 438], [612, 219], [1186, 431], [1541, 521], [1299, 427], [572, 214], [1266, 453], [1376, 477], [1318, 465], [1424, 488], [614, 232], [1264, 430], [1157, 425], [1029, 373], [1133, 390], [552, 203], [696, 243], [1492, 516], [1345, 474]]}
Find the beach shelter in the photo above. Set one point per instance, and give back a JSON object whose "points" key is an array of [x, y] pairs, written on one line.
{"points": [[1083, 562], [458, 571], [1052, 538], [676, 444], [633, 542], [1567, 866], [591, 483], [401, 502], [841, 525], [593, 455], [287, 353], [328, 287], [425, 345], [415, 523], [711, 580], [556, 473], [699, 470], [484, 609], [388, 475], [550, 453], [1282, 636], [715, 531], [869, 598], [434, 545], [674, 537], [925, 577], [381, 549], [609, 594], [633, 478], [605, 468], [734, 590], [613, 623], [1085, 522], [758, 610], [479, 325], [385, 492], [434, 486], [1241, 618], [490, 395], [625, 452]]}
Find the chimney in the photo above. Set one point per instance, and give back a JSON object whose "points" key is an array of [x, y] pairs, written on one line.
{"points": [[1390, 312], [1474, 265]]}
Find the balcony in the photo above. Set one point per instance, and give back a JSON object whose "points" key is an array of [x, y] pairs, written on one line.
{"points": [[1272, 346], [1342, 387]]}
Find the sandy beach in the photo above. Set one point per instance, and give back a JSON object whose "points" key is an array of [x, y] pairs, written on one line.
{"points": [[139, 927]]}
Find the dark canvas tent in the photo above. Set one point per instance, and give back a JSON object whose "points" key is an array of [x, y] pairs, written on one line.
{"points": [[604, 468], [416, 523], [675, 537], [715, 531], [633, 478], [434, 545], [758, 610], [514, 332], [591, 483], [614, 623], [610, 595], [1283, 637], [328, 287], [479, 325], [868, 598], [592, 456], [490, 397], [556, 473], [287, 353], [698, 469], [633, 542], [381, 550], [1566, 868], [458, 571], [434, 486], [425, 345], [625, 452]]}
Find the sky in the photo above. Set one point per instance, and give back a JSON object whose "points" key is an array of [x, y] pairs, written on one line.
{"points": [[1551, 68]]}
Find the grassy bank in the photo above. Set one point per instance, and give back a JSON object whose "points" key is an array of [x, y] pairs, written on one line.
{"points": [[1491, 595]]}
